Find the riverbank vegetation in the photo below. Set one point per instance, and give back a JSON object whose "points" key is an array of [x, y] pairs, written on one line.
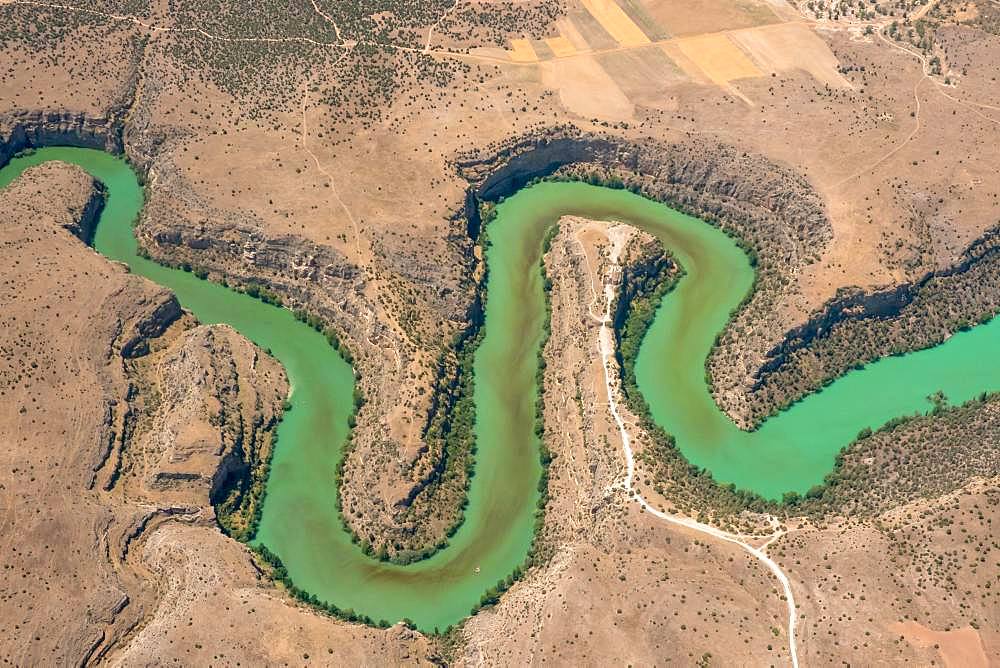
{"points": [[239, 496], [911, 457], [919, 456], [648, 274], [277, 572], [855, 328], [435, 508], [539, 551]]}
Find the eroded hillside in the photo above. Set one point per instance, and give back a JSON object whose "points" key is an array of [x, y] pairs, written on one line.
{"points": [[337, 157], [112, 453]]}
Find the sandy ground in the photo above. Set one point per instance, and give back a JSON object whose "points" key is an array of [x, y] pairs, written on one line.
{"points": [[213, 608], [114, 556], [638, 589], [56, 385], [853, 584], [905, 165], [961, 647]]}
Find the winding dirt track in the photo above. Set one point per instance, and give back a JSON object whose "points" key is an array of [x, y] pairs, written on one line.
{"points": [[618, 235], [363, 257]]}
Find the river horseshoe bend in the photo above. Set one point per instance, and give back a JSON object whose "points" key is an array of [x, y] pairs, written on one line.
{"points": [[791, 451]]}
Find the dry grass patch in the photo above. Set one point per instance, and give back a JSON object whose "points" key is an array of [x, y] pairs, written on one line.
{"points": [[618, 24], [787, 47], [561, 46], [646, 75], [586, 89], [718, 58], [959, 648], [521, 51], [694, 17]]}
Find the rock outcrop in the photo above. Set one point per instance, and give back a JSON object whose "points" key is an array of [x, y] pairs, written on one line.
{"points": [[114, 513], [758, 364], [32, 129], [205, 405], [856, 327], [772, 212], [68, 315], [387, 503]]}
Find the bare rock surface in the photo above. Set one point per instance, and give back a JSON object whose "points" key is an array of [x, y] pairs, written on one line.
{"points": [[68, 314], [143, 417]]}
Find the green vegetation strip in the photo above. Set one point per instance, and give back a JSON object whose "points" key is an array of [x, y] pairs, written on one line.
{"points": [[300, 531]]}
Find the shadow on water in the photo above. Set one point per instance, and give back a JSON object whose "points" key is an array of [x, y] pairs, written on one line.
{"points": [[790, 452]]}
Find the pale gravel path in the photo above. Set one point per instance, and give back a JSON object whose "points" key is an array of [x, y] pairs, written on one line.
{"points": [[430, 31], [619, 235]]}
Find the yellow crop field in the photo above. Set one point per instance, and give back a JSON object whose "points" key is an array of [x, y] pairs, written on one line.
{"points": [[787, 47], [718, 58], [521, 51], [561, 46], [616, 22]]}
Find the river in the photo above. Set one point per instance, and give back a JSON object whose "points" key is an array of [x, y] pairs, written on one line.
{"points": [[300, 523]]}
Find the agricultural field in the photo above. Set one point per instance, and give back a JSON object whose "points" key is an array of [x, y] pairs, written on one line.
{"points": [[317, 180]]}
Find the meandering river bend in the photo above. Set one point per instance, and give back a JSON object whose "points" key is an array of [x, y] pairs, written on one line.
{"points": [[300, 523]]}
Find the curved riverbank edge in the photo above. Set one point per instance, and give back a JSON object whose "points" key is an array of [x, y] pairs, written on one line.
{"points": [[771, 211], [856, 327], [706, 178], [661, 276], [530, 214], [324, 343], [770, 207], [853, 487], [777, 217], [252, 311]]}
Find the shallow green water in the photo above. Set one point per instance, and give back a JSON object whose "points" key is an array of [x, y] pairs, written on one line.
{"points": [[790, 452]]}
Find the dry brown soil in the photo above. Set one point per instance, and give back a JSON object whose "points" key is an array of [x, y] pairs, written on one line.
{"points": [[111, 549], [290, 142]]}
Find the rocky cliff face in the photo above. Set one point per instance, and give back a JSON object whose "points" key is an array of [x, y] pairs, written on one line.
{"points": [[771, 210], [112, 460], [234, 247], [85, 221], [68, 315], [512, 167], [152, 323], [204, 408], [853, 304], [759, 366], [857, 327], [19, 131]]}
